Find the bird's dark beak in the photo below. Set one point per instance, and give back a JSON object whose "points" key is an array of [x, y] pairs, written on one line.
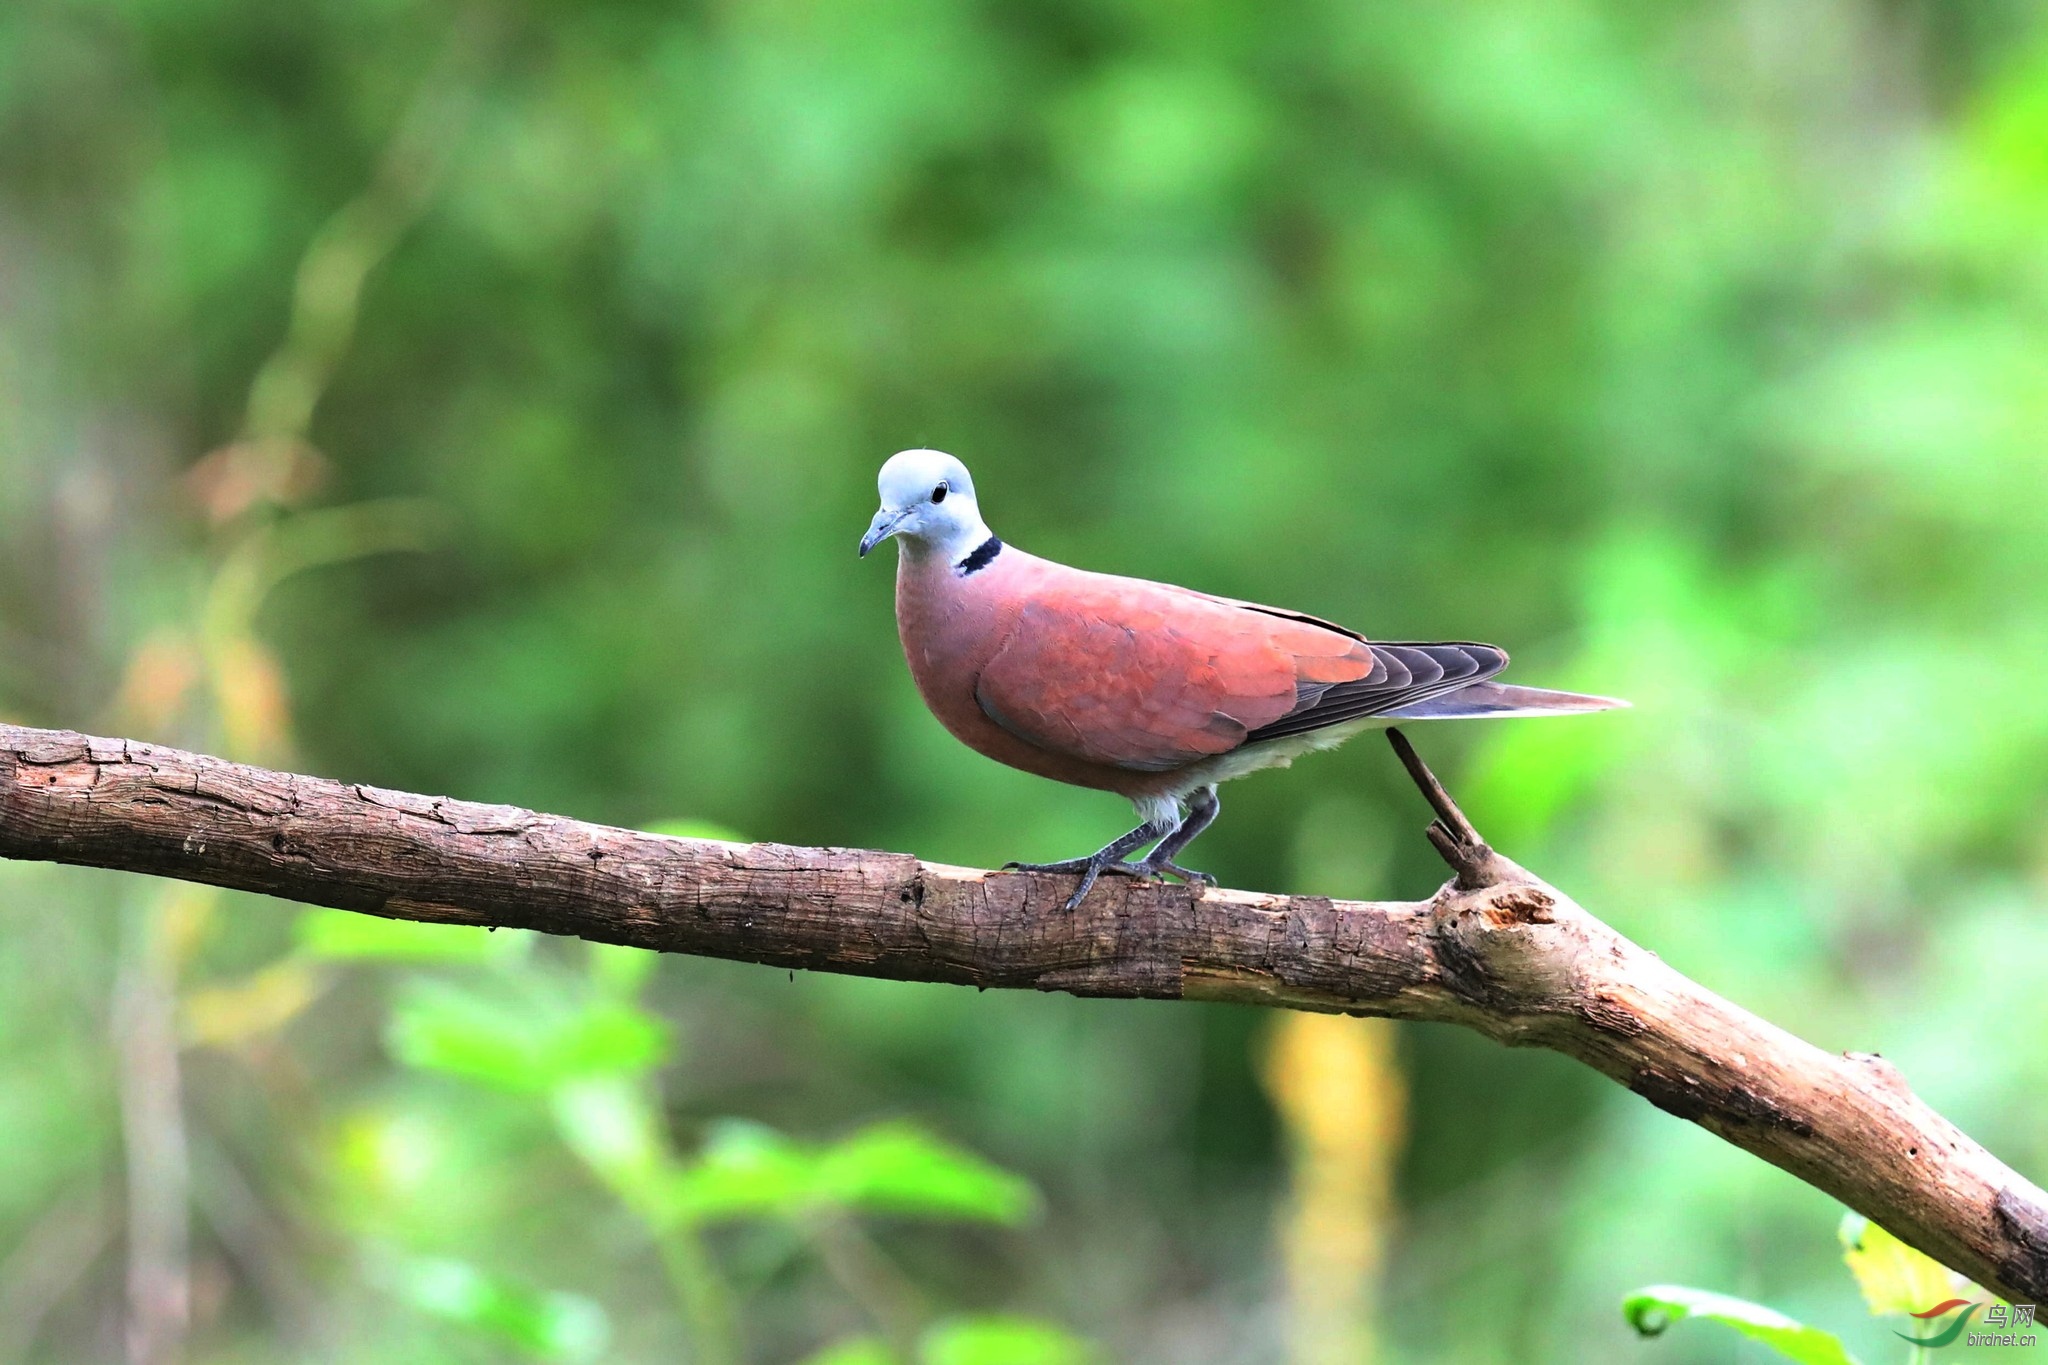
{"points": [[880, 529]]}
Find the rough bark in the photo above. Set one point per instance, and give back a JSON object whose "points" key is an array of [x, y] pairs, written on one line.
{"points": [[1496, 950]]}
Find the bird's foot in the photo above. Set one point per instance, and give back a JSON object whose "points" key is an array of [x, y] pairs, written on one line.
{"points": [[1082, 865], [1150, 870], [1089, 868], [1156, 867]]}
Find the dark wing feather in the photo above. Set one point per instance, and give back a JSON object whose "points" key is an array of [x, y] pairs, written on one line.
{"points": [[1402, 675]]}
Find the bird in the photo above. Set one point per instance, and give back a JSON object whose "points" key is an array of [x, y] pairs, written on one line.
{"points": [[1155, 692]]}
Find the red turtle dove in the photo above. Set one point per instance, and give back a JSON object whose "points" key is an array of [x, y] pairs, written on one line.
{"points": [[1151, 691]]}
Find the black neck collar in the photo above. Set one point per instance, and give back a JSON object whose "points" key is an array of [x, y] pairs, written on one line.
{"points": [[983, 556]]}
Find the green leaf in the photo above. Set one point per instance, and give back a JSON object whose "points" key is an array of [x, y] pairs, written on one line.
{"points": [[859, 1351], [606, 1040], [524, 1046], [1894, 1277], [1653, 1311], [745, 1170], [543, 1326], [899, 1170], [346, 936], [1001, 1341]]}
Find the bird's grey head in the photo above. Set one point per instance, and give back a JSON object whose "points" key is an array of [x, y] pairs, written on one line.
{"points": [[928, 500]]}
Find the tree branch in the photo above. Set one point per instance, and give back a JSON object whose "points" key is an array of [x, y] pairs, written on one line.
{"points": [[1497, 950]]}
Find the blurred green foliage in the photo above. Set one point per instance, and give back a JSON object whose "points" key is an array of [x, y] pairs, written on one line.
{"points": [[1654, 1311], [1896, 1281], [589, 1053], [486, 399], [538, 1326]]}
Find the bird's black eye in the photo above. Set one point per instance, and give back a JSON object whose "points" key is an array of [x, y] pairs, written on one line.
{"points": [[939, 493]]}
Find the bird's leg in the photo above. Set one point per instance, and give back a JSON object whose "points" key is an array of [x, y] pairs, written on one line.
{"points": [[1202, 808], [1109, 858]]}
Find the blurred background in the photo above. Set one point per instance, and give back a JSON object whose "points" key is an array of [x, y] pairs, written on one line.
{"points": [[486, 399]]}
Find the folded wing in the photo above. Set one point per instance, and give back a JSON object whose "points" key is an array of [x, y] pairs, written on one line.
{"points": [[1148, 677]]}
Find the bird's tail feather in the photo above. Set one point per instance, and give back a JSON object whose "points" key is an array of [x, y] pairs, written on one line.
{"points": [[1503, 699]]}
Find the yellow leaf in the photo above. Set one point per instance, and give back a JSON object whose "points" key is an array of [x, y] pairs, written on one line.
{"points": [[1893, 1276]]}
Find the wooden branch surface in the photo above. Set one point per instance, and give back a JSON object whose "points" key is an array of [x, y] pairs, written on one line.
{"points": [[1497, 950]]}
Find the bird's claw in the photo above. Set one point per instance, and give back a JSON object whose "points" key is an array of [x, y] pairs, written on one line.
{"points": [[1069, 865], [1167, 867], [1149, 870]]}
